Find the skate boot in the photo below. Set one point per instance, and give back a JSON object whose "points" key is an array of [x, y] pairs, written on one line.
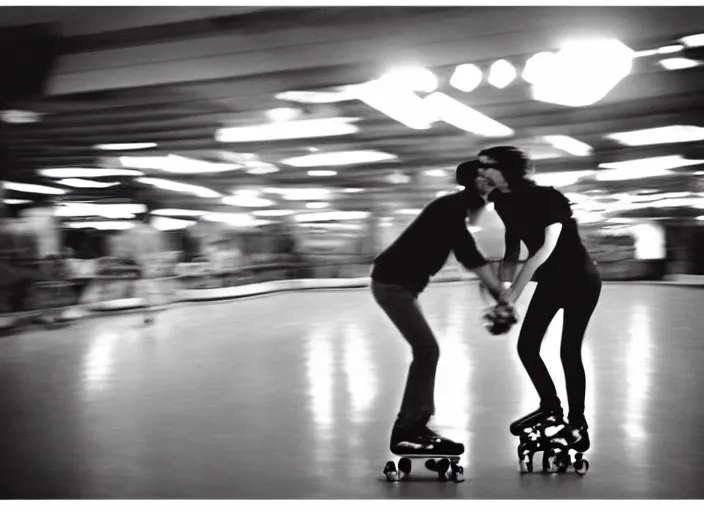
{"points": [[573, 436], [418, 439], [531, 431]]}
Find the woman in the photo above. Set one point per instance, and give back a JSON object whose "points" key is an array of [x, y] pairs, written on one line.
{"points": [[399, 274], [567, 279]]}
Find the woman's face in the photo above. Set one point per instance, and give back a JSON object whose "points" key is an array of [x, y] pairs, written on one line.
{"points": [[494, 178]]}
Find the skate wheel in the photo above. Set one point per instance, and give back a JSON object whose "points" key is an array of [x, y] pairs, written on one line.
{"points": [[430, 465], [443, 469], [404, 468], [578, 456], [458, 473], [390, 472], [581, 467]]}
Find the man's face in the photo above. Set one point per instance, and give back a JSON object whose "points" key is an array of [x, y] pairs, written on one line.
{"points": [[493, 177]]}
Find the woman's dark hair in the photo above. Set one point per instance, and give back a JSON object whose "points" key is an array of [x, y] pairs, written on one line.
{"points": [[513, 163], [466, 176]]}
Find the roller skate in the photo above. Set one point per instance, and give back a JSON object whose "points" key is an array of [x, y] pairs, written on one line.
{"points": [[419, 442], [534, 431], [574, 436]]}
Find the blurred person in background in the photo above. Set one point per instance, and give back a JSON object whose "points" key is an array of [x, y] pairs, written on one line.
{"points": [[145, 245], [567, 278], [399, 274]]}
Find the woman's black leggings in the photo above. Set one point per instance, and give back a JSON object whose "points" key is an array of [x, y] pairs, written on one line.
{"points": [[577, 298]]}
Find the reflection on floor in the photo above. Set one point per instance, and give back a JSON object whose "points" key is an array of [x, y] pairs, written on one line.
{"points": [[293, 395]]}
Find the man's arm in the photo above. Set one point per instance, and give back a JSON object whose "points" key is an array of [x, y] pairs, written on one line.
{"points": [[512, 252]]}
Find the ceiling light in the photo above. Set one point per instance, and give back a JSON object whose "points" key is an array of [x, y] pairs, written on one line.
{"points": [[501, 74], [436, 173], [659, 162], [32, 189], [644, 53], [176, 212], [241, 220], [560, 179], [81, 183], [322, 173], [569, 145], [107, 210], [126, 146], [693, 41], [410, 211], [169, 224], [672, 48], [177, 164], [539, 67], [466, 118], [273, 213], [20, 116], [400, 104], [184, 188], [102, 225], [630, 174], [339, 158], [282, 114], [317, 97], [412, 78], [351, 190], [661, 135], [302, 129], [679, 63], [16, 201], [317, 205], [244, 201], [256, 167], [331, 216], [582, 72], [466, 77], [80, 172]]}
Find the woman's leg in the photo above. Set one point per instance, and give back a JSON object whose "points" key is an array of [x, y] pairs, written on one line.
{"points": [[542, 309], [579, 307]]}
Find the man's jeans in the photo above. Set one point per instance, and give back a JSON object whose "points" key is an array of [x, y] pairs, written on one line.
{"points": [[403, 309]]}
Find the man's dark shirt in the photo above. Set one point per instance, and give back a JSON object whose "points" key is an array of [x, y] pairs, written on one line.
{"points": [[526, 212], [423, 247]]}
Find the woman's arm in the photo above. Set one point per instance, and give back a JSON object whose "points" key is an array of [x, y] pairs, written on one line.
{"points": [[552, 234], [512, 242]]}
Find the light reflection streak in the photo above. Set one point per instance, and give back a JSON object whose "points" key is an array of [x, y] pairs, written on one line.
{"points": [[638, 373], [98, 362], [360, 371]]}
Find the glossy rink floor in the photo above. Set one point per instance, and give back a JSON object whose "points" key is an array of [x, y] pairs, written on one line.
{"points": [[293, 395]]}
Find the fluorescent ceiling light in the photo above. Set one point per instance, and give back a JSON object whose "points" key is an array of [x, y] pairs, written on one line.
{"points": [[412, 78], [560, 179], [176, 212], [184, 188], [465, 118], [501, 74], [176, 164], [16, 201], [693, 41], [241, 220], [436, 173], [661, 135], [317, 97], [322, 173], [169, 224], [410, 211], [351, 190], [400, 104], [102, 225], [679, 63], [32, 189], [125, 147], [331, 216], [20, 116], [317, 204], [582, 72], [339, 158], [107, 210], [245, 201], [630, 174], [569, 145], [301, 194], [398, 178], [273, 213], [257, 167], [466, 77], [81, 183], [672, 48], [539, 67], [302, 129], [282, 114], [659, 162], [80, 172], [644, 53]]}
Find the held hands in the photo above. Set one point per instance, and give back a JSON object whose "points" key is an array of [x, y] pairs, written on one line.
{"points": [[500, 318]]}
